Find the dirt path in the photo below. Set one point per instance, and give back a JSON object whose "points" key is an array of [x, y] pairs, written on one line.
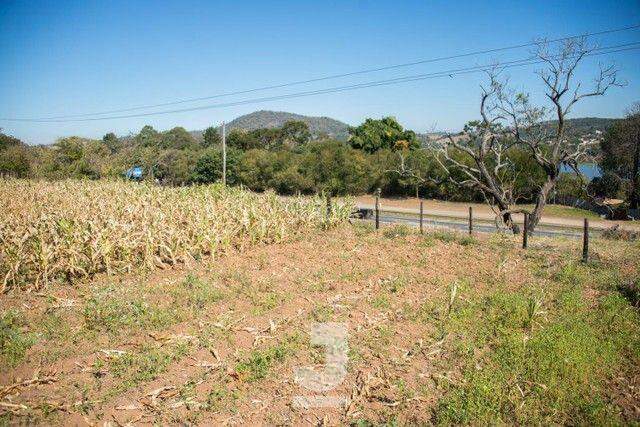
{"points": [[483, 212]]}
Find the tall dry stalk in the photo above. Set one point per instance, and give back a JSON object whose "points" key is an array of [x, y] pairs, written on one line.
{"points": [[57, 231]]}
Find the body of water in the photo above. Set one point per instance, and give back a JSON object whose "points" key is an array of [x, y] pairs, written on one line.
{"points": [[590, 170]]}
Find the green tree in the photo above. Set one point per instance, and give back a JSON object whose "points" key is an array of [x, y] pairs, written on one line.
{"points": [[174, 166], [69, 149], [178, 138], [374, 135], [621, 153], [148, 137], [8, 141], [268, 138], [333, 166], [295, 132], [211, 137], [280, 170], [242, 140], [607, 185], [111, 141], [15, 161], [208, 167]]}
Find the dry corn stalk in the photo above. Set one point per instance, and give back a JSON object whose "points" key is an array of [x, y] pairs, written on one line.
{"points": [[57, 231]]}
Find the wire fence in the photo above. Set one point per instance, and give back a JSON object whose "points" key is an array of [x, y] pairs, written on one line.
{"points": [[471, 225]]}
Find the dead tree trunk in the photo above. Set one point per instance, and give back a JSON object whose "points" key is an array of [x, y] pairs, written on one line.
{"points": [[541, 202]]}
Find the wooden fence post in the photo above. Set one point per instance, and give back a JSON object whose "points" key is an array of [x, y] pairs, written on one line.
{"points": [[525, 232], [377, 212], [470, 220], [421, 217], [585, 241]]}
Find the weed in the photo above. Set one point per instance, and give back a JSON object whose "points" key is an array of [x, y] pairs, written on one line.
{"points": [[551, 374], [259, 362], [220, 398], [266, 302], [145, 365], [363, 228], [109, 310], [196, 293], [322, 313], [397, 231], [393, 284], [14, 341], [630, 290], [381, 302], [451, 237]]}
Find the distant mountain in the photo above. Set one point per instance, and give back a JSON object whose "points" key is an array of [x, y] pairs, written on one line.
{"points": [[584, 127], [272, 119]]}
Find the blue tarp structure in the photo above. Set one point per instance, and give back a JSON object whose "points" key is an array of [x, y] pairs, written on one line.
{"points": [[134, 173]]}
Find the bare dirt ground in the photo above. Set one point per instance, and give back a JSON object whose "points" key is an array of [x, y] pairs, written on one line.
{"points": [[217, 342], [554, 215]]}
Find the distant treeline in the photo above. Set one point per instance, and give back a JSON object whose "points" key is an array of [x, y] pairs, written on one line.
{"points": [[379, 154]]}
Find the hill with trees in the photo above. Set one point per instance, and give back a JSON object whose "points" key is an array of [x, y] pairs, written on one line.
{"points": [[585, 126], [264, 119]]}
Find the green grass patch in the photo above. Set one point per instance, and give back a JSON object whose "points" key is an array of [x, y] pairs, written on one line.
{"points": [[196, 293], [381, 302], [14, 340], [259, 362], [565, 211], [449, 237], [397, 231], [111, 310], [145, 365], [534, 357]]}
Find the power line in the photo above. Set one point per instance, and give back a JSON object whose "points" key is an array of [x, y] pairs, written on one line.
{"points": [[411, 78], [336, 76]]}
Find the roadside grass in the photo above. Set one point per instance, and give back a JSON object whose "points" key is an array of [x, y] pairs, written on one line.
{"points": [[565, 211], [399, 231], [546, 353], [14, 340], [451, 237]]}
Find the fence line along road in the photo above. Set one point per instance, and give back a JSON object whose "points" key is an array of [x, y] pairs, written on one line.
{"points": [[434, 219]]}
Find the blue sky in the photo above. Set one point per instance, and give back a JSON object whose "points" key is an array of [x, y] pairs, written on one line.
{"points": [[71, 57]]}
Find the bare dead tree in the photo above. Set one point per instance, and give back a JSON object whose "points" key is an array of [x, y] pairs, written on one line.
{"points": [[509, 119], [478, 158], [547, 141]]}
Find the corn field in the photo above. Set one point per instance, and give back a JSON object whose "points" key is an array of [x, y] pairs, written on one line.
{"points": [[60, 231]]}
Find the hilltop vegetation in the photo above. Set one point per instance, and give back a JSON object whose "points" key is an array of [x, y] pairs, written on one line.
{"points": [[320, 127], [588, 126]]}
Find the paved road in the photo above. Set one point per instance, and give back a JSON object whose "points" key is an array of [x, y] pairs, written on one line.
{"points": [[431, 222], [481, 223]]}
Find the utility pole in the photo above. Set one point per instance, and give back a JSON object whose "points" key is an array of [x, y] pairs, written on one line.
{"points": [[224, 155]]}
